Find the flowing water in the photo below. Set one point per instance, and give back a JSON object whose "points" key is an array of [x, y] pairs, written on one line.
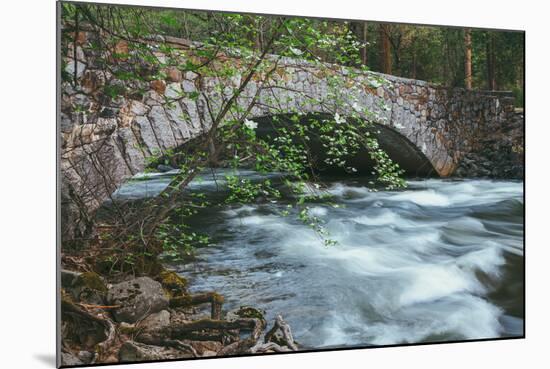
{"points": [[441, 260]]}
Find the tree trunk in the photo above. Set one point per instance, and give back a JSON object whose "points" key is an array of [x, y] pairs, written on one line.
{"points": [[258, 36], [385, 54], [468, 58], [414, 65], [491, 77], [364, 40]]}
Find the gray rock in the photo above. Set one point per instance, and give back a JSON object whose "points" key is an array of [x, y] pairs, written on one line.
{"points": [[180, 125], [142, 129], [155, 321], [66, 123], [70, 360], [79, 63], [161, 126], [188, 86], [68, 277], [130, 147], [137, 298], [174, 90], [86, 356], [138, 108]]}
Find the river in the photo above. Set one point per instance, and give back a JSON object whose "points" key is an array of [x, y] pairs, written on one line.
{"points": [[441, 260]]}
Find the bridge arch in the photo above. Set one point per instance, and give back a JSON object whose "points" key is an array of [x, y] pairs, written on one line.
{"points": [[398, 147]]}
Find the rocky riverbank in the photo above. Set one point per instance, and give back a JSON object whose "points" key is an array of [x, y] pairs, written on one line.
{"points": [[156, 318]]}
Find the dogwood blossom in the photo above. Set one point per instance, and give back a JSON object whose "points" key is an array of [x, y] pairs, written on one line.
{"points": [[250, 124], [338, 119]]}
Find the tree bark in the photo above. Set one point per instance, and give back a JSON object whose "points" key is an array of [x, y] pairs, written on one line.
{"points": [[491, 75], [468, 58], [385, 53], [414, 65], [364, 58]]}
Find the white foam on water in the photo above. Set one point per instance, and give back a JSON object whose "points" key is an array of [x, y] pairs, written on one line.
{"points": [[406, 267], [462, 316], [489, 259], [423, 198], [385, 217], [422, 290], [352, 192], [431, 282], [240, 211], [253, 220], [318, 211]]}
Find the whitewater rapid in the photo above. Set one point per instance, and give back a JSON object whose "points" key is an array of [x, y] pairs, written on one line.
{"points": [[441, 260]]}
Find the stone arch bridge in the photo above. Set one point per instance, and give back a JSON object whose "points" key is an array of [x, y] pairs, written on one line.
{"points": [[103, 146]]}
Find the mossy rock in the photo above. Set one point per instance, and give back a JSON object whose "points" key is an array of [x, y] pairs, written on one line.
{"points": [[173, 283], [89, 287], [90, 280]]}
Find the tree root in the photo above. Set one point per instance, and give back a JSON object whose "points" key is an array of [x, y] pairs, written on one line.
{"points": [[206, 329], [180, 345], [216, 300], [96, 331], [285, 335], [265, 347], [252, 345], [89, 327]]}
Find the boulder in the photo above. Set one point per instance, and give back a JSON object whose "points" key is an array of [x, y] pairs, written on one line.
{"points": [[86, 356], [135, 351], [69, 359], [68, 277], [172, 282], [136, 298], [155, 321], [87, 287]]}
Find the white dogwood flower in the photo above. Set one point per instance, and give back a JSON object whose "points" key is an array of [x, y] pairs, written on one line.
{"points": [[250, 124], [338, 119]]}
